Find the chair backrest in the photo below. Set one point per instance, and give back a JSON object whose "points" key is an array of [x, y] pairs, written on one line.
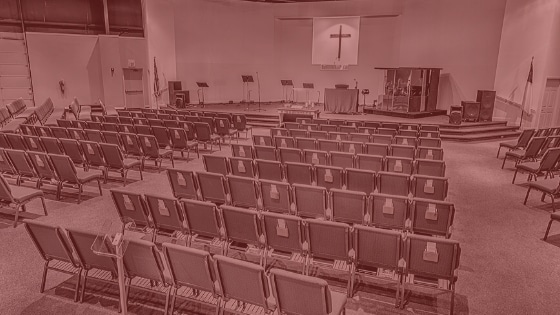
{"points": [[278, 132], [359, 137], [283, 232], [432, 167], [242, 281], [112, 155], [243, 192], [166, 213], [328, 145], [290, 155], [382, 138], [347, 206], [381, 149], [310, 201], [223, 126], [525, 137], [242, 225], [203, 131], [432, 257], [397, 164], [305, 143], [202, 218], [4, 141], [393, 183], [276, 196], [59, 132], [142, 259], [429, 187], [21, 163], [429, 153], [51, 241], [131, 206], [242, 150], [315, 157], [534, 147], [550, 159], [270, 170], [131, 144], [432, 217], [150, 145], [406, 151], [239, 121], [302, 134], [215, 164], [242, 167], [93, 135], [342, 159], [16, 141], [92, 152], [76, 133], [64, 167], [178, 137], [190, 267], [284, 142], [360, 180], [378, 248], [370, 162], [329, 177], [5, 165], [299, 173], [183, 183], [5, 191], [83, 242], [429, 142], [262, 141], [73, 149], [265, 152], [42, 165], [352, 147], [162, 136], [328, 240], [112, 137], [212, 187], [388, 211], [300, 294]]}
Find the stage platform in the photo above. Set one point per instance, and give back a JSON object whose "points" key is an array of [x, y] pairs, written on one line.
{"points": [[413, 115]]}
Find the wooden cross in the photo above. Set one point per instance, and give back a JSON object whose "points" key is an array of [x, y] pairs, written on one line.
{"points": [[340, 36]]}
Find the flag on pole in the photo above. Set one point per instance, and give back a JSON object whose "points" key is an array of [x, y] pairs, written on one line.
{"points": [[157, 91], [530, 76], [528, 85]]}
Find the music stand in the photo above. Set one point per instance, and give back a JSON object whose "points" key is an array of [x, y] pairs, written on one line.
{"points": [[285, 88], [246, 92], [200, 91]]}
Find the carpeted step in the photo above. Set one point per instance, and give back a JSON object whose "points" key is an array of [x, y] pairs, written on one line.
{"points": [[481, 136], [475, 130]]}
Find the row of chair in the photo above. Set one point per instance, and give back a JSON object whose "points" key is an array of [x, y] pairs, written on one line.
{"points": [[71, 251], [536, 148], [526, 136], [335, 161], [312, 130], [304, 241], [17, 113], [368, 124]]}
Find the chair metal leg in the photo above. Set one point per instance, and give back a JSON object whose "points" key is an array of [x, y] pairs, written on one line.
{"points": [[46, 268], [83, 287], [167, 299], [77, 289], [17, 215], [547, 230], [79, 193], [553, 208], [173, 299], [504, 162], [141, 176], [499, 148], [99, 186], [125, 173], [515, 175], [44, 206]]}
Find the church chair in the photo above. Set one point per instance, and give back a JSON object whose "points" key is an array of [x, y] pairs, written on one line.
{"points": [[263, 141], [163, 115], [265, 153], [342, 159], [64, 123], [546, 145], [76, 133], [132, 208], [370, 162], [284, 238], [52, 145], [216, 164], [205, 135], [328, 128], [130, 143], [318, 135], [114, 127], [93, 135], [183, 183], [111, 119], [523, 155], [382, 139], [17, 197], [355, 123], [429, 134], [269, 170], [316, 157], [70, 176], [124, 113], [213, 187], [337, 122], [97, 118], [127, 128], [352, 147], [84, 243], [203, 223], [4, 141], [305, 143], [16, 141], [429, 167], [6, 167], [390, 125], [320, 121], [330, 243], [403, 140], [544, 167], [162, 135], [171, 123], [409, 133], [542, 132], [367, 130], [138, 121], [431, 258], [129, 121], [429, 153], [291, 125], [143, 130], [338, 136], [244, 282], [43, 131], [303, 120], [243, 192], [158, 122], [167, 216], [380, 249], [432, 217], [329, 177], [553, 217], [284, 142], [22, 165], [59, 132], [152, 150], [429, 142], [115, 161], [151, 268], [391, 132], [299, 133], [54, 247], [328, 145], [290, 154], [548, 187], [191, 118], [242, 150], [348, 129], [242, 229], [348, 206], [28, 130], [94, 157], [180, 141], [299, 294], [429, 187], [310, 201], [388, 211], [360, 180], [413, 127], [93, 125], [309, 127], [393, 183], [298, 173], [242, 167], [224, 129], [397, 164], [432, 128], [276, 196], [359, 137], [189, 268], [43, 169], [278, 132]]}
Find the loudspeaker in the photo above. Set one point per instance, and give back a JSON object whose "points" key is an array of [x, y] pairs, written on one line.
{"points": [[172, 88], [486, 100], [471, 110], [455, 115]]}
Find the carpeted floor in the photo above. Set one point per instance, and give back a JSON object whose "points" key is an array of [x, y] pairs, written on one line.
{"points": [[505, 268]]}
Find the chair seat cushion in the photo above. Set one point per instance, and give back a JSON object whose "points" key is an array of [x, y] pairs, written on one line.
{"points": [[529, 166], [129, 163], [26, 113], [22, 194], [509, 144], [555, 216], [90, 175], [516, 154], [13, 125], [547, 185], [338, 302], [163, 152]]}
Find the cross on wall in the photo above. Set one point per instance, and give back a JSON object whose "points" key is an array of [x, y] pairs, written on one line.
{"points": [[340, 36]]}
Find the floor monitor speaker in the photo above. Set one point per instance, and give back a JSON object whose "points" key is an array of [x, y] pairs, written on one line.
{"points": [[471, 110]]}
